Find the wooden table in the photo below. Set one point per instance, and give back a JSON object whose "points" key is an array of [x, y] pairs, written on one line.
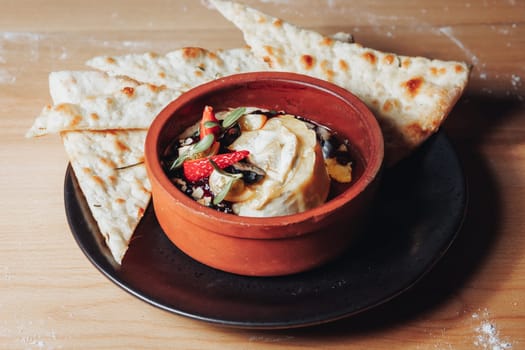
{"points": [[51, 297]]}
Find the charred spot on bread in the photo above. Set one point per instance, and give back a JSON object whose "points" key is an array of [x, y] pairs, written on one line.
{"points": [[192, 52], [459, 68], [437, 71], [413, 86], [128, 90], [77, 119], [343, 65], [389, 59], [121, 146], [307, 61], [390, 104], [370, 57], [327, 41]]}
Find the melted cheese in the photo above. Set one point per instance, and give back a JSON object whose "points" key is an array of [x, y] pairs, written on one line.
{"points": [[296, 179]]}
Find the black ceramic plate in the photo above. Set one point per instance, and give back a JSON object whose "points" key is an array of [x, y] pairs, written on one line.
{"points": [[416, 217]]}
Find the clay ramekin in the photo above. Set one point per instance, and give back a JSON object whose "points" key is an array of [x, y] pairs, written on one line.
{"points": [[276, 245]]}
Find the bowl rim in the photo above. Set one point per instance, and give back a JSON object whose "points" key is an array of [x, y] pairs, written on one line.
{"points": [[370, 173]]}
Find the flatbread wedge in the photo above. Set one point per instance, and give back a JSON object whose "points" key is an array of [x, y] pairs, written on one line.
{"points": [[111, 174], [132, 107], [108, 164], [181, 69], [410, 96], [75, 86], [187, 67]]}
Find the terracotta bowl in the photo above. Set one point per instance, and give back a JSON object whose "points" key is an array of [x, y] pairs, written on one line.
{"points": [[276, 245]]}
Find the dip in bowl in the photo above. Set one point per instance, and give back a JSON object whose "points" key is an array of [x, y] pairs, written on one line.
{"points": [[278, 244]]}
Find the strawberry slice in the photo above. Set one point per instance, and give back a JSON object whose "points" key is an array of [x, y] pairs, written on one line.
{"points": [[209, 123], [197, 169]]}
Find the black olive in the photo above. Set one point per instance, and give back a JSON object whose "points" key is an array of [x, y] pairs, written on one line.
{"points": [[251, 177], [343, 157], [250, 173], [230, 135]]}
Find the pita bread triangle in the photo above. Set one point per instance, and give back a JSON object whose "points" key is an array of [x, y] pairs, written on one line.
{"points": [[410, 96], [108, 164], [74, 86], [110, 171], [187, 67], [134, 106], [181, 69]]}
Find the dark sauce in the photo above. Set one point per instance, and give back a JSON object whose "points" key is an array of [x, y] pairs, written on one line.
{"points": [[329, 140]]}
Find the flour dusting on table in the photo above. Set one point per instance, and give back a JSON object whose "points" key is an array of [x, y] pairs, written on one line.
{"points": [[487, 335]]}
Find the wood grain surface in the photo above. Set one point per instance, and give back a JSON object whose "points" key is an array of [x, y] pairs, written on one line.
{"points": [[51, 297]]}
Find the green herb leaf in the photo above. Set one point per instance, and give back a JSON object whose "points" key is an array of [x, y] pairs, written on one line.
{"points": [[219, 197], [224, 173], [210, 124], [180, 159], [232, 117], [199, 147], [203, 144]]}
